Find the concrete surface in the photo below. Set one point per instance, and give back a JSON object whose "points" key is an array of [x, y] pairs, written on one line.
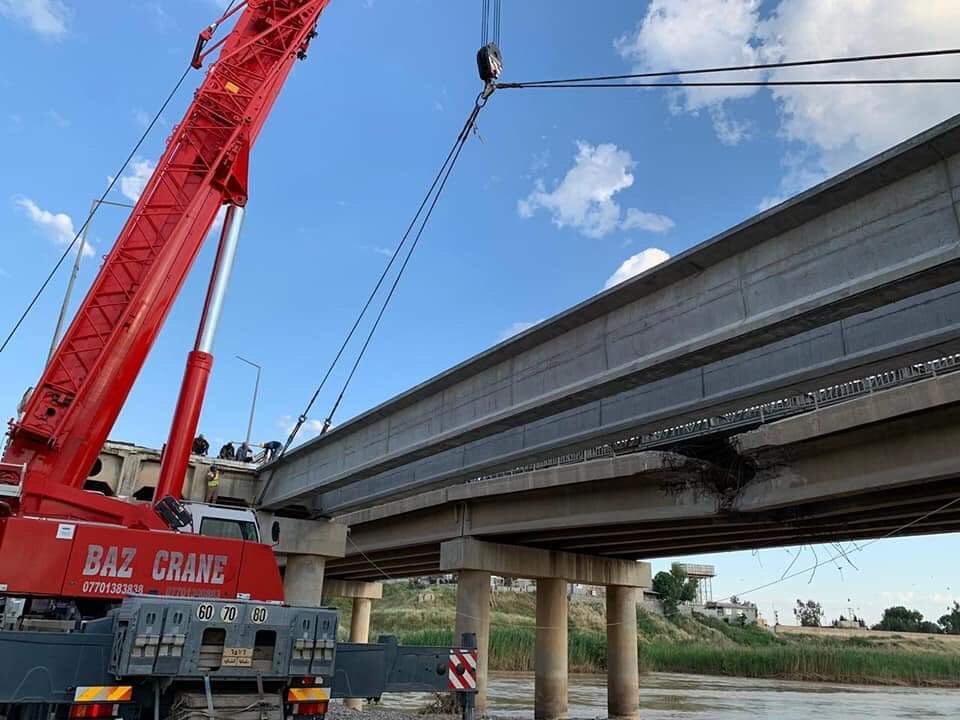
{"points": [[550, 652], [876, 408], [303, 580], [348, 589], [528, 562], [131, 470], [473, 616], [878, 464], [305, 537], [623, 672], [359, 633]]}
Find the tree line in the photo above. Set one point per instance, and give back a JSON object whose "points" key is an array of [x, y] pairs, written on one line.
{"points": [[895, 619]]}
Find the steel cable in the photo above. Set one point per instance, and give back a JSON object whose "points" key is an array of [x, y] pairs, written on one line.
{"points": [[461, 141], [434, 192], [101, 201], [758, 66], [736, 83]]}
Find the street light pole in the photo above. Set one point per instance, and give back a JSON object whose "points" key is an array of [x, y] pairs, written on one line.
{"points": [[76, 270], [253, 405]]}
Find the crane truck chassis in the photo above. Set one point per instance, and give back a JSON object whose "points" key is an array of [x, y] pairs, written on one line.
{"points": [[156, 657]]}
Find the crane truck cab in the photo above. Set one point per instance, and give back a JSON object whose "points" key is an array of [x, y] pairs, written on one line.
{"points": [[237, 523]]}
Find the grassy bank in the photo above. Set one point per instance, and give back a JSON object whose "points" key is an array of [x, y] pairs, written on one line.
{"points": [[687, 645]]}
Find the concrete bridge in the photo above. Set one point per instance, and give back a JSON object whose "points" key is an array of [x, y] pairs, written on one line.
{"points": [[857, 275], [788, 381]]}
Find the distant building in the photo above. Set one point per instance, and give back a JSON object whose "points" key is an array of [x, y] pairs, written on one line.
{"points": [[516, 585], [740, 613], [734, 613], [851, 623], [586, 593]]}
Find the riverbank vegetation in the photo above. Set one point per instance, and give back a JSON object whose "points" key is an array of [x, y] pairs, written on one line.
{"points": [[683, 645]]}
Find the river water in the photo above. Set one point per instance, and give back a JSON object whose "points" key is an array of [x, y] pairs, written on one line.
{"points": [[666, 696]]}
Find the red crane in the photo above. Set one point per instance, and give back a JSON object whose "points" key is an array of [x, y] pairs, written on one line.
{"points": [[101, 547]]}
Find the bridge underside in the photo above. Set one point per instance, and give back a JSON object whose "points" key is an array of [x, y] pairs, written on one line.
{"points": [[860, 518], [828, 476]]}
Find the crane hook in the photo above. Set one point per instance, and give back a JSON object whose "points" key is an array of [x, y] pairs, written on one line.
{"points": [[490, 66]]}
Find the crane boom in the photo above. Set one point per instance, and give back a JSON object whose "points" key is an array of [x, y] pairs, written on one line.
{"points": [[204, 166]]}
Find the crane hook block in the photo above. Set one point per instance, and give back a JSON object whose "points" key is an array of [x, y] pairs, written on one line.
{"points": [[489, 63]]}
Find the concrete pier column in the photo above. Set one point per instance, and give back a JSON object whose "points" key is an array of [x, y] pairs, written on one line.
{"points": [[550, 655], [473, 616], [623, 672], [359, 633], [363, 594], [303, 580], [303, 547], [475, 560]]}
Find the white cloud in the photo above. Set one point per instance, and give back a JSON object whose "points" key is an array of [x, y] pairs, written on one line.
{"points": [[831, 128], [517, 328], [636, 264], [729, 130], [651, 222], [47, 17], [310, 429], [679, 34], [583, 199], [138, 174], [379, 250], [58, 226], [847, 126], [133, 182], [57, 119]]}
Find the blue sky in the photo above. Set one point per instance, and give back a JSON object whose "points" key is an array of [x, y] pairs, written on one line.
{"points": [[560, 192]]}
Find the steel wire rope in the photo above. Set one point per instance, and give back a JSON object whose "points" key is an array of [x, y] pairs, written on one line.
{"points": [[433, 191], [484, 22], [736, 83], [461, 141], [757, 66], [859, 548], [102, 201]]}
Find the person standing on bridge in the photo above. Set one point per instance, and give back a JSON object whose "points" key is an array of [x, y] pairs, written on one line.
{"points": [[200, 445], [271, 450], [227, 452], [213, 485]]}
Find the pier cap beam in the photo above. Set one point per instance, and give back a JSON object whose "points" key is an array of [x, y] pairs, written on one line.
{"points": [[355, 589], [528, 562], [304, 537]]}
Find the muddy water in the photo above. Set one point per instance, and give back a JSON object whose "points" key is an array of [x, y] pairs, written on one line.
{"points": [[695, 697]]}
